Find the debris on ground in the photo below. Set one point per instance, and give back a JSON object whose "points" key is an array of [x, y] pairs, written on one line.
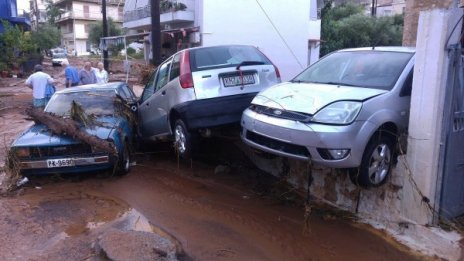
{"points": [[63, 126], [120, 245]]}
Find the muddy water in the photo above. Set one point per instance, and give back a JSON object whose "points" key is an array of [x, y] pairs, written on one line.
{"points": [[220, 218]]}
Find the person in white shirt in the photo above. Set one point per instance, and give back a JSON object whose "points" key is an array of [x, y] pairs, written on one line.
{"points": [[38, 82], [100, 73]]}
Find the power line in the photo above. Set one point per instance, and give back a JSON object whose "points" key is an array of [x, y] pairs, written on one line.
{"points": [[280, 35]]}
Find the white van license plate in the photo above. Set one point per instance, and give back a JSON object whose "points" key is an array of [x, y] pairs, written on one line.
{"points": [[58, 163], [238, 80]]}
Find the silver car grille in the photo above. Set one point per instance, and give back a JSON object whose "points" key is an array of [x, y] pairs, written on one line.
{"points": [[278, 113], [277, 145]]}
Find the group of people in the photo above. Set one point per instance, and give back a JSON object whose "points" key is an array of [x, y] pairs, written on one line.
{"points": [[87, 75], [40, 81]]}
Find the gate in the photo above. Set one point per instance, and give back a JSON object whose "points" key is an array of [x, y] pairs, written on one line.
{"points": [[452, 191]]}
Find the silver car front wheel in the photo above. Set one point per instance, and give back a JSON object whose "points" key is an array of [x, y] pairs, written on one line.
{"points": [[376, 162]]}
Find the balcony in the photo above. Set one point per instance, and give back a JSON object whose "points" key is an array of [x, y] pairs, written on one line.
{"points": [[81, 15], [171, 12], [108, 2]]}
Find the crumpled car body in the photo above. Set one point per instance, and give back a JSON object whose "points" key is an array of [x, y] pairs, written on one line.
{"points": [[38, 151], [345, 111]]}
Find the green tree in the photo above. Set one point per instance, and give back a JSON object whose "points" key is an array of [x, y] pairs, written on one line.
{"points": [[53, 12], [47, 36], [347, 26], [15, 46], [96, 31]]}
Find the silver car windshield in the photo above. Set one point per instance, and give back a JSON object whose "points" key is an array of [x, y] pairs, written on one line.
{"points": [[369, 69], [59, 55], [225, 56], [96, 103]]}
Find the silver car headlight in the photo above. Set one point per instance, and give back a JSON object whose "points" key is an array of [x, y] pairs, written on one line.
{"points": [[342, 112]]}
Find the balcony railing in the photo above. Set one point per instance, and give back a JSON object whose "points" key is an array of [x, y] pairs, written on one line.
{"points": [[108, 2], [84, 16], [166, 6], [137, 14]]}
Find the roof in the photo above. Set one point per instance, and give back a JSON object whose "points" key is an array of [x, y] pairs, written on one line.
{"points": [[93, 87]]}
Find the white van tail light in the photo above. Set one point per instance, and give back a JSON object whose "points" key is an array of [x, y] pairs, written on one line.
{"points": [[185, 78]]}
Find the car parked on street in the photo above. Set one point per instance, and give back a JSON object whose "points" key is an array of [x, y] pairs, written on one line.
{"points": [[345, 111], [38, 151], [199, 89]]}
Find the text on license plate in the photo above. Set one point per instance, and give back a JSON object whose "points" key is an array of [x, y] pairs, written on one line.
{"points": [[58, 163], [237, 80]]}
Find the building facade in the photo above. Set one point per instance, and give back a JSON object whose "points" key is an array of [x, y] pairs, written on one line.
{"points": [[9, 13], [287, 32], [38, 13], [77, 16]]}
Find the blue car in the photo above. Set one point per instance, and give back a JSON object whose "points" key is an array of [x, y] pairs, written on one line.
{"points": [[38, 151]]}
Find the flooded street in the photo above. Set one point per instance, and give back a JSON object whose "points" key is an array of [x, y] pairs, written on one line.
{"points": [[216, 207]]}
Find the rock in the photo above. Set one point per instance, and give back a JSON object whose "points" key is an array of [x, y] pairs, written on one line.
{"points": [[136, 245]]}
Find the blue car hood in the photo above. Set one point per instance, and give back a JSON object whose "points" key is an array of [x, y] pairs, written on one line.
{"points": [[40, 135]]}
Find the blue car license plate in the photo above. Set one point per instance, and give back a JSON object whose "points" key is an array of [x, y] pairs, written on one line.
{"points": [[238, 80], [58, 163]]}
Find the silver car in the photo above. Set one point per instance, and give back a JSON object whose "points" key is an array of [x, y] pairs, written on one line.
{"points": [[200, 89], [345, 111]]}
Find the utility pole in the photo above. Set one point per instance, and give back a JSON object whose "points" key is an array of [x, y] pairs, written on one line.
{"points": [[155, 32], [105, 34], [374, 8]]}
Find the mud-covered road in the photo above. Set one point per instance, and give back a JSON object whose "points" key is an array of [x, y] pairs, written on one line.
{"points": [[217, 207]]}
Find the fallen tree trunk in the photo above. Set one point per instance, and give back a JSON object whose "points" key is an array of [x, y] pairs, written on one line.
{"points": [[69, 127]]}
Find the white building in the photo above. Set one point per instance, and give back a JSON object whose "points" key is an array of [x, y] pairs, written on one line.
{"points": [[78, 15], [287, 32]]}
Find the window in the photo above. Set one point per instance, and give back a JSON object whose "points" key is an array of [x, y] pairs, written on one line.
{"points": [[407, 86], [70, 28], [175, 69], [162, 76], [126, 92], [224, 56], [149, 88], [86, 11], [120, 12], [86, 28]]}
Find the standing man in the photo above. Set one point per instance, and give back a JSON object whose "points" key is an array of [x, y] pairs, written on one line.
{"points": [[100, 73], [86, 74], [71, 74], [38, 82]]}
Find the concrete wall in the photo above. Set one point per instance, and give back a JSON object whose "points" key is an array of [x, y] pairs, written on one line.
{"points": [[244, 22]]}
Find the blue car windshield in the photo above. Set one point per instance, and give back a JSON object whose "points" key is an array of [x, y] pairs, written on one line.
{"points": [[369, 69], [96, 103]]}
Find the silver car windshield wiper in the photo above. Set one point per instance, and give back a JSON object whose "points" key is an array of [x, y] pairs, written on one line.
{"points": [[299, 81], [338, 83], [247, 63]]}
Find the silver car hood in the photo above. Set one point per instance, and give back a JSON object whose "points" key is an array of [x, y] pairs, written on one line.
{"points": [[310, 97]]}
